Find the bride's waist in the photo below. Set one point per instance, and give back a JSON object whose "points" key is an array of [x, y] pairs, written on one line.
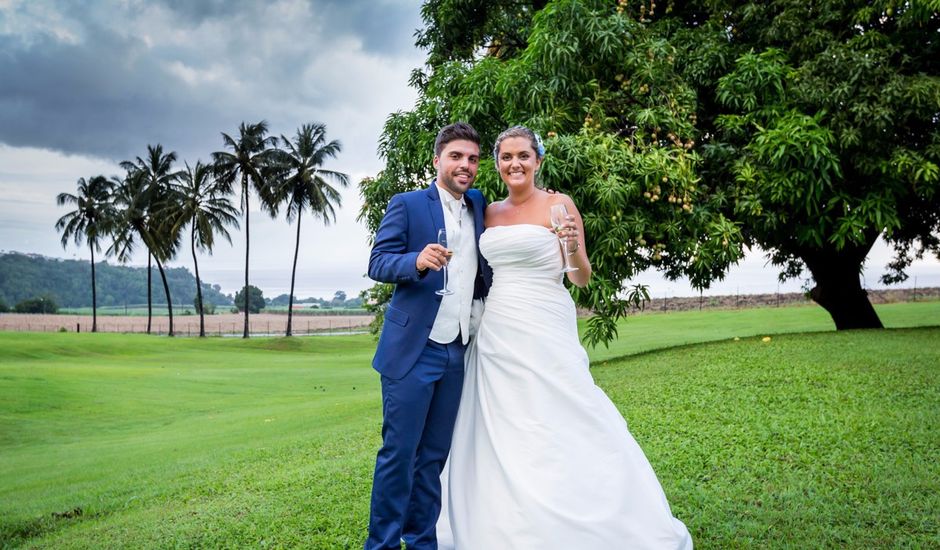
{"points": [[526, 281]]}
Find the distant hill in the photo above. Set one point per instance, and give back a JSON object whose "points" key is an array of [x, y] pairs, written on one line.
{"points": [[25, 276]]}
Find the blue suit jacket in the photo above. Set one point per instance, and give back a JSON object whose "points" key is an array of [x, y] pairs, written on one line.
{"points": [[411, 222]]}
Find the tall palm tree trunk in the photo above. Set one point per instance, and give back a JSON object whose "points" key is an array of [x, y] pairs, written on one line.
{"points": [[247, 241], [149, 292], [94, 293], [202, 316], [293, 274], [166, 290]]}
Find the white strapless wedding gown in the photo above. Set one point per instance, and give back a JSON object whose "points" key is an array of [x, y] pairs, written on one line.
{"points": [[541, 458]]}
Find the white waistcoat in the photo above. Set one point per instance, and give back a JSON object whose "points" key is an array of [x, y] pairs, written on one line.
{"points": [[453, 317]]}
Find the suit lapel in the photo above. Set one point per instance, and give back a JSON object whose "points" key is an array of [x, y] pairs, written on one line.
{"points": [[477, 211], [436, 209]]}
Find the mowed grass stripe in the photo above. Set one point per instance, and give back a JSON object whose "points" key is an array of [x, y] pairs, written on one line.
{"points": [[185, 442]]}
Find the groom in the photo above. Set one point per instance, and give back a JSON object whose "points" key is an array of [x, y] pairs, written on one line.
{"points": [[421, 349]]}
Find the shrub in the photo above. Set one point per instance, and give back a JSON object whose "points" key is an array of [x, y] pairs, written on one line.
{"points": [[209, 306], [42, 304], [255, 299]]}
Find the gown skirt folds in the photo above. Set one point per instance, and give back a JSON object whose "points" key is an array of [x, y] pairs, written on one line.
{"points": [[541, 458]]}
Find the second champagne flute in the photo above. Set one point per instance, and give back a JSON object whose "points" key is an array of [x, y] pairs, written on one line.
{"points": [[559, 215], [442, 240]]}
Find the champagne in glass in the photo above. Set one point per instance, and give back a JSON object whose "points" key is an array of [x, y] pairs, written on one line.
{"points": [[442, 240], [559, 215]]}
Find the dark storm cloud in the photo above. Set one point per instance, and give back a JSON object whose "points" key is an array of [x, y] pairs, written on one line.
{"points": [[383, 26], [201, 10], [101, 97], [107, 79]]}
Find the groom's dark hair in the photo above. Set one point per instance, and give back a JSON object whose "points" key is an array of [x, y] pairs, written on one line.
{"points": [[453, 132]]}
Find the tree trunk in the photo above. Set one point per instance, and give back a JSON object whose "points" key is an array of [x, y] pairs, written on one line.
{"points": [[94, 293], [202, 313], [149, 291], [838, 286], [293, 274], [166, 290], [245, 203]]}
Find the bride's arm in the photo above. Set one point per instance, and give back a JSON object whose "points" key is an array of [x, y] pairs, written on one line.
{"points": [[575, 231]]}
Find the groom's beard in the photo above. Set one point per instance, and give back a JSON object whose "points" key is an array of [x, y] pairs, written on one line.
{"points": [[455, 187]]}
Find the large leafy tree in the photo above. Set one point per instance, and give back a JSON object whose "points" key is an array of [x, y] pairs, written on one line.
{"points": [[89, 222], [252, 164], [146, 192], [689, 130], [305, 185], [820, 124], [204, 205]]}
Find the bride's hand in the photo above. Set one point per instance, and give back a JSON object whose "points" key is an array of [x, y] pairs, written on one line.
{"points": [[569, 231]]}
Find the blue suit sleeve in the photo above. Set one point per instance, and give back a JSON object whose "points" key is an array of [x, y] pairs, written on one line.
{"points": [[391, 261]]}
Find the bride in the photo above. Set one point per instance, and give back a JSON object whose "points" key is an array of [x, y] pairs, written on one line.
{"points": [[541, 458]]}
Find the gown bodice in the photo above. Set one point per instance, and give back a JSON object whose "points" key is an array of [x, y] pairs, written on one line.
{"points": [[522, 253]]}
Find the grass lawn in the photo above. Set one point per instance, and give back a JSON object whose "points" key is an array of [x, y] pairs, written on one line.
{"points": [[806, 441]]}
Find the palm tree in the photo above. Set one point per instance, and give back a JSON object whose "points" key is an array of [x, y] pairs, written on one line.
{"points": [[88, 222], [304, 185], [130, 220], [147, 190], [204, 204], [251, 162]]}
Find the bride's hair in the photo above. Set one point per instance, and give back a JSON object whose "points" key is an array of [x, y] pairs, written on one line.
{"points": [[523, 132]]}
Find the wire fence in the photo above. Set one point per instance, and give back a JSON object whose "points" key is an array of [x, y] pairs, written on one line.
{"points": [[188, 325]]}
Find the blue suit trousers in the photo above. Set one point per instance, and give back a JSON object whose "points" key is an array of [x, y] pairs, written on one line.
{"points": [[419, 414]]}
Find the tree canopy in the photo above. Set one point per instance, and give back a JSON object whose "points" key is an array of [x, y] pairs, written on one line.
{"points": [[26, 276], [255, 299], [688, 131]]}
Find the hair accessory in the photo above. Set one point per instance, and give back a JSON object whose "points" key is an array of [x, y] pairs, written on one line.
{"points": [[541, 148]]}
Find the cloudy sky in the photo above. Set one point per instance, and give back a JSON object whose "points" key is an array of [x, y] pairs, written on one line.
{"points": [[87, 84]]}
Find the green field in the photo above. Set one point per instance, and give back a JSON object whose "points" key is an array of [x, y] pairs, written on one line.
{"points": [[135, 310], [810, 440]]}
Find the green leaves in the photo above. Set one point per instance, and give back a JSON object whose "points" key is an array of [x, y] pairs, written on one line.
{"points": [[685, 134]]}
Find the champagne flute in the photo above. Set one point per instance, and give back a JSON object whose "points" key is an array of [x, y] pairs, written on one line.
{"points": [[442, 240], [559, 215]]}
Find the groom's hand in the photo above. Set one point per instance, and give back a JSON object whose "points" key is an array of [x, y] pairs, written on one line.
{"points": [[434, 256]]}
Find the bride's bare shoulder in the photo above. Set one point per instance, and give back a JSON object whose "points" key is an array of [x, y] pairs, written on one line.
{"points": [[495, 211]]}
